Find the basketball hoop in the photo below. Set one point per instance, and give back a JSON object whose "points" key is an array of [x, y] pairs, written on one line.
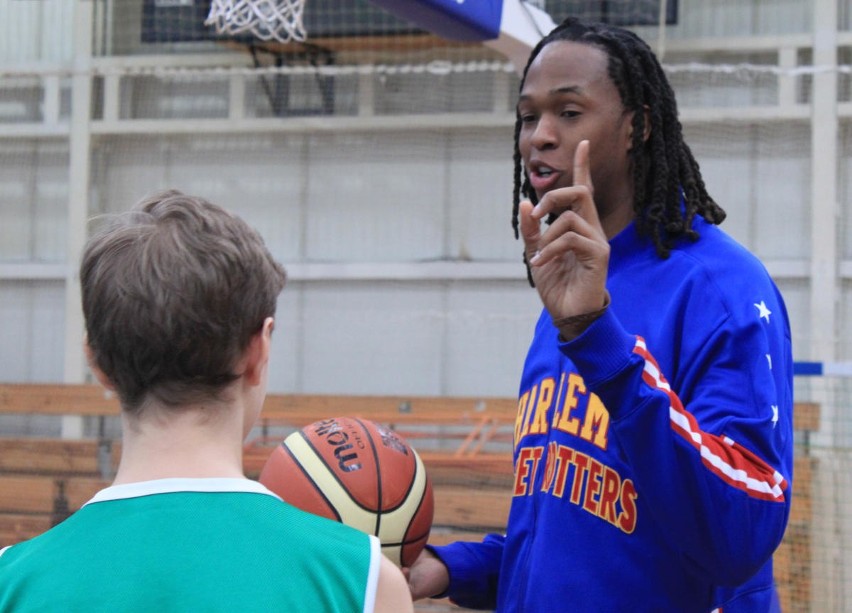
{"points": [[268, 20]]}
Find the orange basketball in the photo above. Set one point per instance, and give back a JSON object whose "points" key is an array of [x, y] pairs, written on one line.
{"points": [[360, 473]]}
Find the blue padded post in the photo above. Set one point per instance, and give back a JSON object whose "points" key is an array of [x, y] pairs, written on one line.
{"points": [[461, 20]]}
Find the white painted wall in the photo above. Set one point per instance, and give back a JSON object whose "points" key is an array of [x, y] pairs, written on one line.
{"points": [[35, 31], [320, 199], [377, 197]]}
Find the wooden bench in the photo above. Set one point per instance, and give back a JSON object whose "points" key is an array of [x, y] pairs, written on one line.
{"points": [[45, 479], [42, 480], [58, 457], [471, 486], [31, 504], [793, 559]]}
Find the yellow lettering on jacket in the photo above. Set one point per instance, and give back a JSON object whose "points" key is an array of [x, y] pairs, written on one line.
{"points": [[592, 485], [562, 420], [521, 419], [526, 469], [545, 398], [568, 407], [596, 423]]}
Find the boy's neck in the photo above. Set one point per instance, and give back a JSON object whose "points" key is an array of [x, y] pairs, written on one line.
{"points": [[182, 442]]}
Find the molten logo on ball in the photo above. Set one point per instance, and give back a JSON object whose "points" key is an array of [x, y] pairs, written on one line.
{"points": [[334, 434]]}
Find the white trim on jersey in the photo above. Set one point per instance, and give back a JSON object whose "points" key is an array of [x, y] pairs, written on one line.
{"points": [[180, 484], [373, 574]]}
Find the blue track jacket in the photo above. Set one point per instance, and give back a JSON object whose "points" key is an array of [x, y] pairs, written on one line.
{"points": [[653, 454]]}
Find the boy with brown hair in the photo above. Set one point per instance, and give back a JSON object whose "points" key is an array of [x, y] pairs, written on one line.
{"points": [[179, 298]]}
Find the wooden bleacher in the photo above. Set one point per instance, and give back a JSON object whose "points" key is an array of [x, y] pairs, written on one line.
{"points": [[793, 559], [42, 480], [39, 467]]}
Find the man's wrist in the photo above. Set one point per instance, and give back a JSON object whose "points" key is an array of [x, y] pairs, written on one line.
{"points": [[573, 326]]}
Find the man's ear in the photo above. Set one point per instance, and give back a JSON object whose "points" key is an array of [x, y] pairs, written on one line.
{"points": [[647, 134], [646, 129], [96, 371], [256, 355]]}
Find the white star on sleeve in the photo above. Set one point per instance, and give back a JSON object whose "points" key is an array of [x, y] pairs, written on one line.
{"points": [[762, 311], [774, 415]]}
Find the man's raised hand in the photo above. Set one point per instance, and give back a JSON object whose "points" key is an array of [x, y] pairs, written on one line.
{"points": [[569, 259]]}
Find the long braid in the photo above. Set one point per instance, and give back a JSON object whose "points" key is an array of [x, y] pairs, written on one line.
{"points": [[522, 187], [668, 188], [518, 188]]}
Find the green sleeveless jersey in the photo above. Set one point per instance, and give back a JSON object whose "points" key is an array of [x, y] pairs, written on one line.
{"points": [[191, 545]]}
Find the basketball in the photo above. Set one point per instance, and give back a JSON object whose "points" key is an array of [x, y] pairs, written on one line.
{"points": [[360, 473]]}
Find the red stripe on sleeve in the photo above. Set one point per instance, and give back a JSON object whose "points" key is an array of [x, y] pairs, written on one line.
{"points": [[733, 463]]}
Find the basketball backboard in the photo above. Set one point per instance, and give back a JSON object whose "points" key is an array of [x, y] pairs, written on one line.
{"points": [[514, 27], [510, 27]]}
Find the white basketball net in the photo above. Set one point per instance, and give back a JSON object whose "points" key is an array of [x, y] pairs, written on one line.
{"points": [[268, 20]]}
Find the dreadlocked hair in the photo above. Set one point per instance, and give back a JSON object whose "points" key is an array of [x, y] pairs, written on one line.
{"points": [[667, 185]]}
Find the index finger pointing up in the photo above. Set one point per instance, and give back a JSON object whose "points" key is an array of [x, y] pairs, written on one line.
{"points": [[582, 172]]}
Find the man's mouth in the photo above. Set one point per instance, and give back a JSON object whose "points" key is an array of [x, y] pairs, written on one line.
{"points": [[543, 178]]}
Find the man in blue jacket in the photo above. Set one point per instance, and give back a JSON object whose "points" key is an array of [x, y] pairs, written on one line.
{"points": [[653, 442]]}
